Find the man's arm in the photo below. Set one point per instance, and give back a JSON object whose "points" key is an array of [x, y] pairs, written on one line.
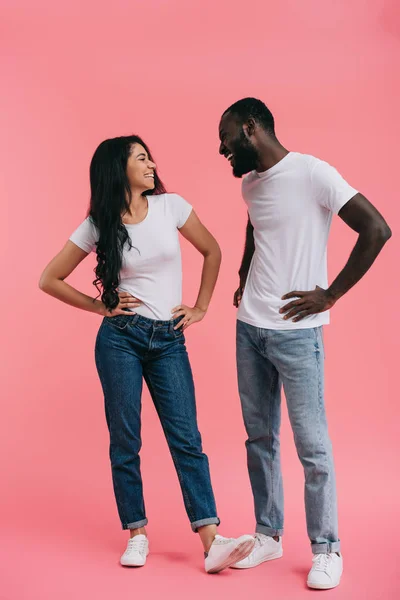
{"points": [[373, 233], [246, 261]]}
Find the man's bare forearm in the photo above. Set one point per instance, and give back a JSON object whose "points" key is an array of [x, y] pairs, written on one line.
{"points": [[247, 254], [364, 253]]}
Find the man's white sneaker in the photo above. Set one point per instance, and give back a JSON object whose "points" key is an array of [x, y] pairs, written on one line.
{"points": [[326, 571], [266, 548], [136, 552], [224, 552]]}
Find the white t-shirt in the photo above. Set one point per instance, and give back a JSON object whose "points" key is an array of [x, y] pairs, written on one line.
{"points": [[152, 268], [290, 207]]}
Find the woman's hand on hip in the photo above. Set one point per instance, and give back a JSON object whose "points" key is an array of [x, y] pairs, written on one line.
{"points": [[126, 301], [189, 315]]}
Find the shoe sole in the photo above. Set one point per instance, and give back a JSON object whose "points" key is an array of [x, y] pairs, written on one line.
{"points": [[242, 550], [131, 565], [322, 586], [272, 557]]}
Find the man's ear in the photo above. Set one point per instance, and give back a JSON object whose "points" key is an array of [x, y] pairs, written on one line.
{"points": [[249, 127]]}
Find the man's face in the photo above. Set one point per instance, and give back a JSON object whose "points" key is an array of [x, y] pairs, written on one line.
{"points": [[236, 146]]}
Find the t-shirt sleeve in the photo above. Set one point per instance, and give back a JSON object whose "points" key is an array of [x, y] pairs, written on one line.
{"points": [[330, 190], [85, 236], [181, 209]]}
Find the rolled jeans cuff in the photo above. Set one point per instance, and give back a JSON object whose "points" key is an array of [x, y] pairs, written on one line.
{"points": [[135, 525], [268, 531], [211, 521], [325, 548]]}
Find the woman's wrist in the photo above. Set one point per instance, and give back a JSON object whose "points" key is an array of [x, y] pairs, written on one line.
{"points": [[202, 308], [99, 308]]}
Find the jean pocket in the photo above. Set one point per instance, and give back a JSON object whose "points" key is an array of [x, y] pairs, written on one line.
{"points": [[177, 333], [120, 322]]}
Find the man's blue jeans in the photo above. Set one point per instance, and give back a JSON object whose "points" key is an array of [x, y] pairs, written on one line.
{"points": [[266, 359]]}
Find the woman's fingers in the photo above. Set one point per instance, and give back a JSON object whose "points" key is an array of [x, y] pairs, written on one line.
{"points": [[126, 300], [187, 324], [180, 324], [180, 313]]}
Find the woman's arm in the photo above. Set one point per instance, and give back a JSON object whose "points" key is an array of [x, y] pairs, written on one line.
{"points": [[52, 282], [195, 232]]}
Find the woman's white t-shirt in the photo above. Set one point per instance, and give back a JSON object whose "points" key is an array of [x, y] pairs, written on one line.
{"points": [[152, 268]]}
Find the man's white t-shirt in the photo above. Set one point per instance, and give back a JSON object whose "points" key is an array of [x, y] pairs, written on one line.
{"points": [[290, 207], [152, 268]]}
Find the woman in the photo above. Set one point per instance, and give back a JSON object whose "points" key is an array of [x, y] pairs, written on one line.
{"points": [[133, 228]]}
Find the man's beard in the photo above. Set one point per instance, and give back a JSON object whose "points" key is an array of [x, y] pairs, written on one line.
{"points": [[245, 157]]}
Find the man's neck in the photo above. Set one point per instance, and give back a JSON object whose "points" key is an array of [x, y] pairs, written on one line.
{"points": [[270, 153]]}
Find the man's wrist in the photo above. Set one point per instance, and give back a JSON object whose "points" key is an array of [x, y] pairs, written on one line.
{"points": [[242, 279], [332, 295]]}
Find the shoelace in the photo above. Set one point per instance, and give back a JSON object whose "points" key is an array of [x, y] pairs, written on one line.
{"points": [[259, 540], [136, 546], [322, 562], [222, 540]]}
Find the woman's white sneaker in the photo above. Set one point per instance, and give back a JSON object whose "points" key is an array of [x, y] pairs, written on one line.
{"points": [[326, 571], [266, 548], [136, 552], [224, 552]]}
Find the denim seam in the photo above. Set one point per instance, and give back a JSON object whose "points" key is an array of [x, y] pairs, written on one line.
{"points": [[270, 449], [320, 407], [185, 495], [138, 524], [120, 504], [203, 522], [116, 489]]}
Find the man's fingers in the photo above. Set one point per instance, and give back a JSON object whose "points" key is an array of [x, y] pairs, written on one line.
{"points": [[297, 310], [237, 297], [292, 305], [301, 316], [293, 295]]}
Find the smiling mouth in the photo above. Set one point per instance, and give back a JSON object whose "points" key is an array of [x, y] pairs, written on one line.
{"points": [[230, 157], [150, 176]]}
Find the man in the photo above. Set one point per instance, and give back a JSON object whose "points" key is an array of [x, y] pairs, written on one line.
{"points": [[283, 300]]}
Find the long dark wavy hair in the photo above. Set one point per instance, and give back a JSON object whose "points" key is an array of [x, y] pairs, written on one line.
{"points": [[110, 198]]}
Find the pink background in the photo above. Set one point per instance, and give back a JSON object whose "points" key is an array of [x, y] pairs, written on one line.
{"points": [[76, 73]]}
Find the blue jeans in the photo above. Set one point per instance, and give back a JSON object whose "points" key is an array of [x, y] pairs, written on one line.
{"points": [[266, 359], [130, 348]]}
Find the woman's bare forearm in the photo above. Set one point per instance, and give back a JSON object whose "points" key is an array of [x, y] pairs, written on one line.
{"points": [[209, 276], [69, 295]]}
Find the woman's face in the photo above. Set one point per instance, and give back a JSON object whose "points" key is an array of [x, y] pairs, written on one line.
{"points": [[140, 169]]}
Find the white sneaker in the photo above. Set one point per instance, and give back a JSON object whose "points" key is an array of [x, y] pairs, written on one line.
{"points": [[266, 548], [326, 571], [224, 552], [136, 552]]}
